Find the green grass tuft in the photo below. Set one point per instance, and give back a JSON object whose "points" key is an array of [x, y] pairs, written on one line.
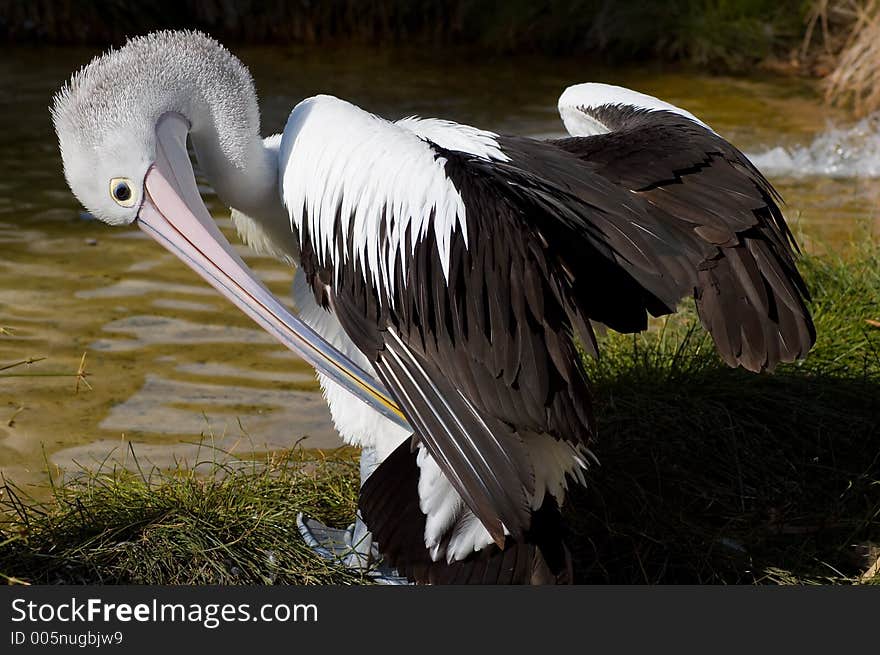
{"points": [[233, 523], [707, 475]]}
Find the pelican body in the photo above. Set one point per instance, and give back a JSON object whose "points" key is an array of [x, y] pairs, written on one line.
{"points": [[447, 275]]}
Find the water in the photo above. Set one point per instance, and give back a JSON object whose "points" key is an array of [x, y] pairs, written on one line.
{"points": [[171, 362], [837, 152]]}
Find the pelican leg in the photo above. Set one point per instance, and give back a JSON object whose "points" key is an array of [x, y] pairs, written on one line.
{"points": [[361, 539], [353, 546]]}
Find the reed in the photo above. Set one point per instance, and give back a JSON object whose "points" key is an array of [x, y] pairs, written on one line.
{"points": [[854, 82]]}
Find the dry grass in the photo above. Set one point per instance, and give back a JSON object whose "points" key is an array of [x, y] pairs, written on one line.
{"points": [[22, 369], [844, 35]]}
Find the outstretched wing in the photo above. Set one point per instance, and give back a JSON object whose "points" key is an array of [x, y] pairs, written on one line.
{"points": [[749, 294], [463, 265]]}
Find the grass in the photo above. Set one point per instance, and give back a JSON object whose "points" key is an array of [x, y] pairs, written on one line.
{"points": [[229, 522], [708, 475]]}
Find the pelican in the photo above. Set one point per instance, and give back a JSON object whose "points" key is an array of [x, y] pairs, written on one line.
{"points": [[447, 276]]}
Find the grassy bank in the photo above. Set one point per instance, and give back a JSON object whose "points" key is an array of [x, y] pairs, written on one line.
{"points": [[708, 475], [730, 33], [216, 523]]}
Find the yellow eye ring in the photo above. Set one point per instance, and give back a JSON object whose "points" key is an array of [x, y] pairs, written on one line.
{"points": [[122, 192]]}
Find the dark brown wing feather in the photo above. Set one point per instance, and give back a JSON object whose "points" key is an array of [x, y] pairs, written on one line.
{"points": [[389, 504], [563, 233], [749, 294], [479, 362]]}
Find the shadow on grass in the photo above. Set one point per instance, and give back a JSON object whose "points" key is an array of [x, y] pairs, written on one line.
{"points": [[724, 477], [715, 475]]}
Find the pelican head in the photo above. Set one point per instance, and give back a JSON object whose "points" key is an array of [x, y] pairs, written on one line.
{"points": [[117, 116], [122, 124]]}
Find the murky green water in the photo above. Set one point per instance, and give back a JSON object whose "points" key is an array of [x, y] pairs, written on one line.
{"points": [[169, 360]]}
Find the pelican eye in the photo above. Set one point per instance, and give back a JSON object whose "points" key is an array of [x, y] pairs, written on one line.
{"points": [[120, 189]]}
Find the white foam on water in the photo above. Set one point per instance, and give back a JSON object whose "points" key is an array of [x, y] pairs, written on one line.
{"points": [[839, 152]]}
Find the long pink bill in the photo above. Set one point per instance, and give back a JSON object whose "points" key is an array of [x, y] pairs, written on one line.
{"points": [[173, 213]]}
